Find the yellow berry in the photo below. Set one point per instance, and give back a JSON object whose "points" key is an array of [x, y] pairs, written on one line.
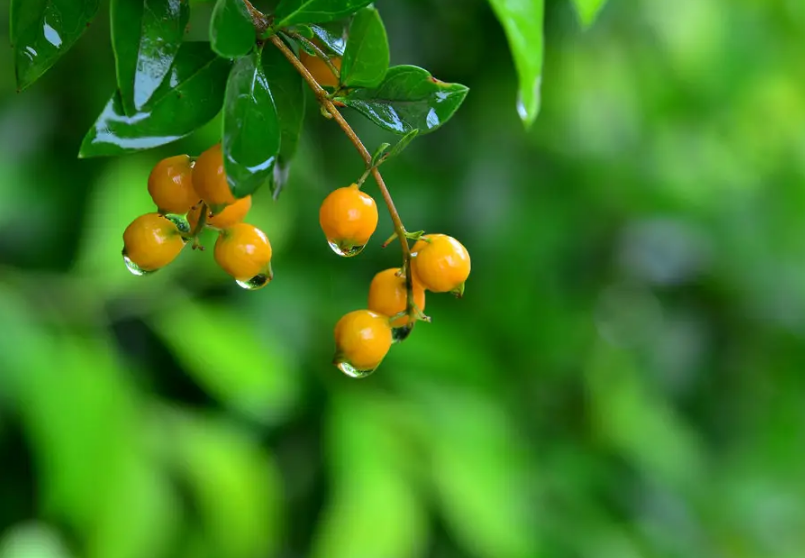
{"points": [[209, 179], [243, 251], [348, 218], [170, 185], [362, 340], [151, 242], [319, 70], [388, 295], [440, 263], [230, 215]]}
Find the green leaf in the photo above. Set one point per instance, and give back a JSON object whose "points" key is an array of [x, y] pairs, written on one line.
{"points": [[522, 22], [409, 98], [43, 30], [366, 58], [290, 12], [379, 153], [588, 10], [231, 29], [146, 36], [251, 134], [193, 94], [332, 36], [202, 337], [402, 144], [288, 91]]}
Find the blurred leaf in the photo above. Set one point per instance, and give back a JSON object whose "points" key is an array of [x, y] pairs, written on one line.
{"points": [[287, 90], [409, 98], [236, 486], [231, 29], [522, 22], [379, 152], [252, 130], [483, 473], [33, 540], [588, 10], [43, 30], [146, 36], [290, 12], [366, 58], [224, 355], [332, 36], [196, 92], [368, 456]]}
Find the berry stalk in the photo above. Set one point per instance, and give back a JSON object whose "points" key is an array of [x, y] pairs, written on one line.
{"points": [[328, 105]]}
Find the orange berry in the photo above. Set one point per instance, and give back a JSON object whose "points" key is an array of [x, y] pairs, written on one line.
{"points": [[319, 70], [388, 296], [151, 242], [171, 185], [230, 215], [244, 252], [441, 265], [348, 218], [362, 339], [209, 179]]}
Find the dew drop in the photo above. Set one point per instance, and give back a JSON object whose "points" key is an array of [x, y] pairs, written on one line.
{"points": [[347, 251], [401, 333], [257, 282], [352, 371], [134, 268]]}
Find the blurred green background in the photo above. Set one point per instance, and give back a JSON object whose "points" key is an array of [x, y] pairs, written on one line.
{"points": [[624, 379]]}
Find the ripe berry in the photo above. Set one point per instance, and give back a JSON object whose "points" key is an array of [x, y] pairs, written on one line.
{"points": [[441, 265], [319, 70], [244, 252], [171, 185], [388, 296], [362, 339], [230, 215], [151, 242], [348, 218], [209, 179]]}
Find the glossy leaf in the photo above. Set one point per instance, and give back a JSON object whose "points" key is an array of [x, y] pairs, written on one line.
{"points": [[146, 36], [231, 29], [588, 10], [290, 12], [332, 36], [409, 98], [366, 58], [288, 92], [251, 134], [522, 22], [43, 30], [193, 95]]}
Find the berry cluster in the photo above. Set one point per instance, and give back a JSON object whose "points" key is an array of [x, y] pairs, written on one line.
{"points": [[190, 196]]}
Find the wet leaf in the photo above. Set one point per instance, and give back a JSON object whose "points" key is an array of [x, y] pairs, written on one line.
{"points": [[332, 36], [522, 22], [409, 98], [231, 29], [366, 58], [288, 92], [146, 36], [193, 95], [252, 131], [43, 30], [588, 10], [290, 12]]}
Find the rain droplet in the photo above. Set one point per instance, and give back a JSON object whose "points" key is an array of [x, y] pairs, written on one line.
{"points": [[134, 268], [346, 251], [352, 371], [257, 282], [401, 333]]}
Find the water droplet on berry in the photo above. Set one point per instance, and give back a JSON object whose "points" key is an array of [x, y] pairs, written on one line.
{"points": [[180, 221], [350, 370], [134, 268], [401, 333], [257, 282], [346, 252]]}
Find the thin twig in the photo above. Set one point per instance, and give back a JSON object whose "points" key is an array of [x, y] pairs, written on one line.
{"points": [[323, 56]]}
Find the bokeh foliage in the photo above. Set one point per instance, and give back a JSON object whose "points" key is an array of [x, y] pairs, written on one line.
{"points": [[623, 379]]}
